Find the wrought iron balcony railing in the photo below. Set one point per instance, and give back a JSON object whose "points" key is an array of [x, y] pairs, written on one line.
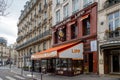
{"points": [[113, 34], [109, 3], [39, 37]]}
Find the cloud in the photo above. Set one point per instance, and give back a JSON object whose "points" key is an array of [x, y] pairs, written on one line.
{"points": [[8, 26], [10, 39], [8, 29]]}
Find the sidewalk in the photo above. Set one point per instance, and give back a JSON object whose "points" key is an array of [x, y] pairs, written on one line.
{"points": [[49, 76]]}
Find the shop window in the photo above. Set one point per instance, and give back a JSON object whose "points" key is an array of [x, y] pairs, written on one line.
{"points": [[77, 63], [69, 64], [86, 26], [61, 63], [74, 31], [64, 63], [58, 64]]}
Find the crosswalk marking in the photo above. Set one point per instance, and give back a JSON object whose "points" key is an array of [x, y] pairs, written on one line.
{"points": [[1, 79], [10, 78], [19, 77]]}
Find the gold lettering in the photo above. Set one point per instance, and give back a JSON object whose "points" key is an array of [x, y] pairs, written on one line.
{"points": [[75, 50]]}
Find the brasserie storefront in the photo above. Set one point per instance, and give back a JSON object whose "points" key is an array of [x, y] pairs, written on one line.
{"points": [[65, 60]]}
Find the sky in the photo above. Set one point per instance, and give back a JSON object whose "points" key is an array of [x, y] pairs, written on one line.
{"points": [[8, 23]]}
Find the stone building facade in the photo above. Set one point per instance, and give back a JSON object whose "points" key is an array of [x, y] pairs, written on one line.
{"points": [[34, 34], [109, 36]]}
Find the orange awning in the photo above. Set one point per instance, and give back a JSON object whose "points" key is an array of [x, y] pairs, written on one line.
{"points": [[52, 52], [84, 17]]}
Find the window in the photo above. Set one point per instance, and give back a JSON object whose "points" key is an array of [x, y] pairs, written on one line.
{"points": [[57, 2], [44, 46], [75, 5], [114, 20], [45, 15], [65, 10], [58, 16], [39, 47], [45, 2], [74, 31], [86, 26], [39, 7], [45, 28], [87, 2]]}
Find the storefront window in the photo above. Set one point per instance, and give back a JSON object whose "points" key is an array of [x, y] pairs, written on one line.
{"points": [[58, 62], [77, 66], [43, 63], [64, 63], [69, 64], [61, 63]]}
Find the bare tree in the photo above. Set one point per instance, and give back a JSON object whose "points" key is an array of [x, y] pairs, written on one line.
{"points": [[4, 5]]}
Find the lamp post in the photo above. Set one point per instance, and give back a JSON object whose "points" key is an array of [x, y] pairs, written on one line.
{"points": [[10, 57], [31, 64]]}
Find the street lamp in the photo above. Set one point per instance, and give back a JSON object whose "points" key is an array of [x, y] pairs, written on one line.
{"points": [[31, 63]]}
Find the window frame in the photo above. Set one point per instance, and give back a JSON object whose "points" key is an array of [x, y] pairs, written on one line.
{"points": [[65, 10]]}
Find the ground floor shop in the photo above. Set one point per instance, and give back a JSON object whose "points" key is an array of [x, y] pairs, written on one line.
{"points": [[111, 59], [68, 60], [60, 66]]}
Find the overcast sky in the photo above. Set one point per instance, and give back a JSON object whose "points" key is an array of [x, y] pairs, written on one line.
{"points": [[8, 24]]}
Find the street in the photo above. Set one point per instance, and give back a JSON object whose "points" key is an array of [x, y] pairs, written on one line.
{"points": [[14, 74], [6, 74]]}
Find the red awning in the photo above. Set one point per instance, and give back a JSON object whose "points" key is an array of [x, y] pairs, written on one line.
{"points": [[52, 52]]}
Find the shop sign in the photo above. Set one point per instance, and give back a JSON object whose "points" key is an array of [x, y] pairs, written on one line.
{"points": [[93, 45], [73, 52]]}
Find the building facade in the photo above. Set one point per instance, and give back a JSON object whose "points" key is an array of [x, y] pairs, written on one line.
{"points": [[74, 35], [76, 20], [34, 34], [13, 54], [4, 51], [109, 36]]}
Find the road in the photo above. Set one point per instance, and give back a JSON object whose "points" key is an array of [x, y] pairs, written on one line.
{"points": [[6, 74]]}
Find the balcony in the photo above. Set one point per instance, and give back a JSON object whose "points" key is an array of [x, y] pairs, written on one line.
{"points": [[19, 38], [35, 39], [87, 4], [113, 35], [109, 3]]}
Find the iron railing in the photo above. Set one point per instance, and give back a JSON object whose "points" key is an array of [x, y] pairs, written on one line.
{"points": [[39, 37], [109, 3]]}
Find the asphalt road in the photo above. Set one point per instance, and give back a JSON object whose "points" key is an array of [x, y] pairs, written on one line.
{"points": [[6, 74]]}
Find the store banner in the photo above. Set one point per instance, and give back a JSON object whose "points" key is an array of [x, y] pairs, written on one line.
{"points": [[93, 45], [75, 52]]}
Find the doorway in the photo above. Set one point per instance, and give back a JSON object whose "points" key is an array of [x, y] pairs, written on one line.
{"points": [[115, 62], [90, 62]]}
